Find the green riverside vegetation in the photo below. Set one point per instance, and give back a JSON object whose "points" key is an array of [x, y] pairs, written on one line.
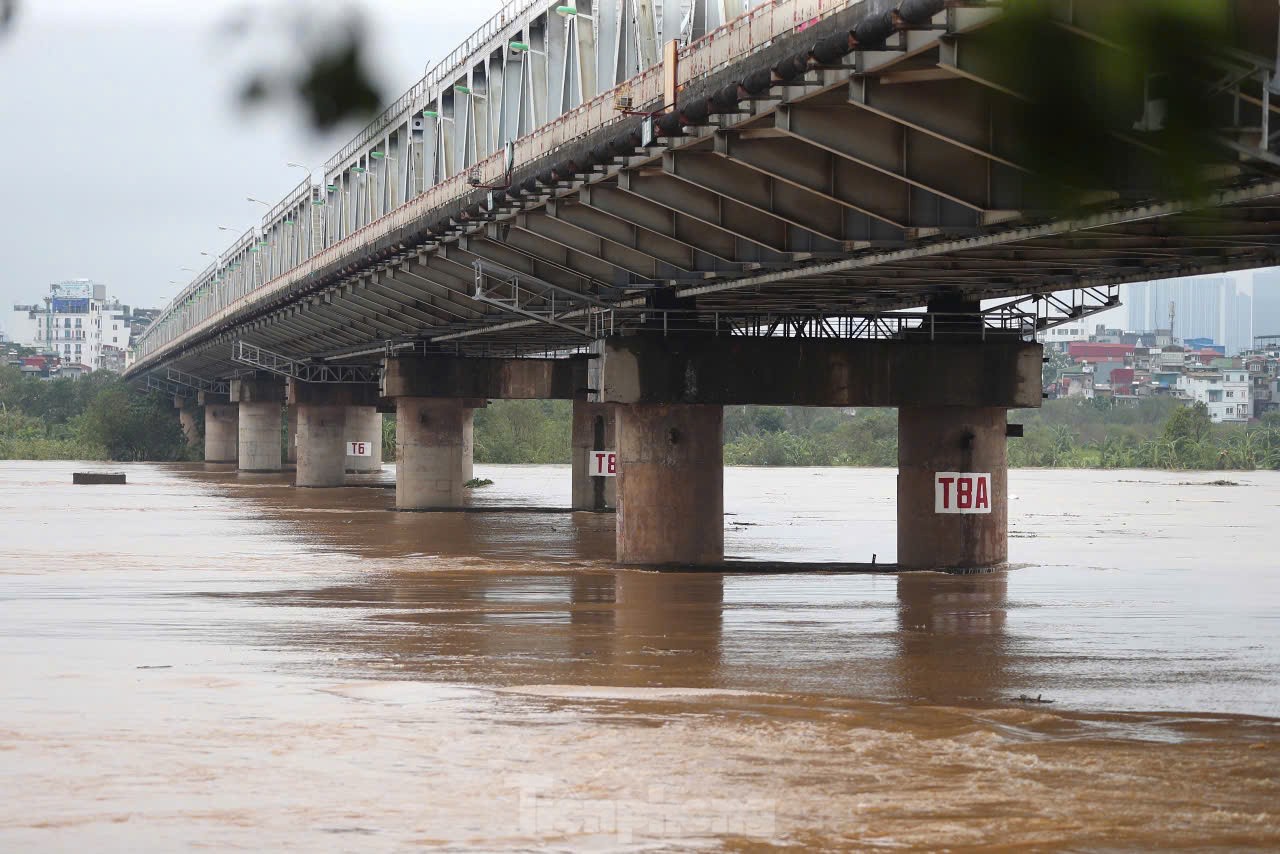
{"points": [[95, 417], [99, 417]]}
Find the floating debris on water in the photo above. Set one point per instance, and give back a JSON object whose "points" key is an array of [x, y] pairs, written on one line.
{"points": [[1038, 698], [95, 477]]}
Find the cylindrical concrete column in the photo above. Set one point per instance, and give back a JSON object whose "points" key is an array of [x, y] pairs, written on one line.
{"points": [[321, 452], [952, 487], [364, 424], [593, 430], [670, 484], [429, 452], [291, 428], [468, 444], [187, 418], [260, 436], [221, 429]]}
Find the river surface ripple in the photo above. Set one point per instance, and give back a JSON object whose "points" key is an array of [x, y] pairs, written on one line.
{"points": [[206, 659]]}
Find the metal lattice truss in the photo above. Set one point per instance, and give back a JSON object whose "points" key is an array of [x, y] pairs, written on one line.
{"points": [[1056, 309], [151, 382], [177, 377], [311, 372], [1005, 320], [531, 297], [826, 161]]}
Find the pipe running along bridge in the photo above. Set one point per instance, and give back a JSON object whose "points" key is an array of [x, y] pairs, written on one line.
{"points": [[656, 208]]}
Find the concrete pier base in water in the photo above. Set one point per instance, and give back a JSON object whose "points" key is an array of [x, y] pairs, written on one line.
{"points": [[221, 432], [431, 452], [670, 484], [259, 399], [259, 443], [321, 445], [952, 487]]}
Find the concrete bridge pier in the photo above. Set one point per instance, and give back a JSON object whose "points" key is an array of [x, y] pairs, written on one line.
{"points": [[947, 518], [221, 428], [594, 429], [323, 428], [436, 397], [670, 484], [291, 431], [952, 390], [260, 400], [469, 438], [364, 424], [321, 451], [187, 418], [432, 452]]}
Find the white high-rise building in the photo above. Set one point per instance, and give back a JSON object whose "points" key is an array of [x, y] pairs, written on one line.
{"points": [[78, 323], [1209, 307]]}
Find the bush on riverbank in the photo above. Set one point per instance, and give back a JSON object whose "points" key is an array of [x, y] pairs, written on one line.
{"points": [[95, 417], [100, 417]]}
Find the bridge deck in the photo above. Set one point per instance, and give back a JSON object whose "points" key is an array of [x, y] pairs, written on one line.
{"points": [[840, 190]]}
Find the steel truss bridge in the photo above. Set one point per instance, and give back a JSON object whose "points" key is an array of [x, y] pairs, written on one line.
{"points": [[822, 167]]}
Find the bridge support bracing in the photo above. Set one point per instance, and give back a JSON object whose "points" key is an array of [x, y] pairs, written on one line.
{"points": [[259, 400], [221, 432], [594, 429], [952, 487], [364, 424], [670, 484], [431, 452]]}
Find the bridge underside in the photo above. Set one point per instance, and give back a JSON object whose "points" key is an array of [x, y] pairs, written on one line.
{"points": [[840, 191]]}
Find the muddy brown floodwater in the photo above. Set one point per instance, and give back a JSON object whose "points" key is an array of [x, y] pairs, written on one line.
{"points": [[206, 659]]}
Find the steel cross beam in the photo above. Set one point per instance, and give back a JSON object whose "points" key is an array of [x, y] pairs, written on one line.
{"points": [[1057, 308], [154, 383], [311, 372], [522, 302], [177, 377]]}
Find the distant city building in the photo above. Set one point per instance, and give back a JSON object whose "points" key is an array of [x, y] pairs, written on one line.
{"points": [[77, 323], [1226, 393], [1201, 307], [1266, 302], [1076, 330], [1237, 322]]}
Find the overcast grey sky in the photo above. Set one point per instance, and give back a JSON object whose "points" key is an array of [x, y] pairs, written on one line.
{"points": [[124, 147]]}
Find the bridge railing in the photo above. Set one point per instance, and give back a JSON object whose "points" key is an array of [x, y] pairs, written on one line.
{"points": [[800, 324], [738, 37], [441, 71]]}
